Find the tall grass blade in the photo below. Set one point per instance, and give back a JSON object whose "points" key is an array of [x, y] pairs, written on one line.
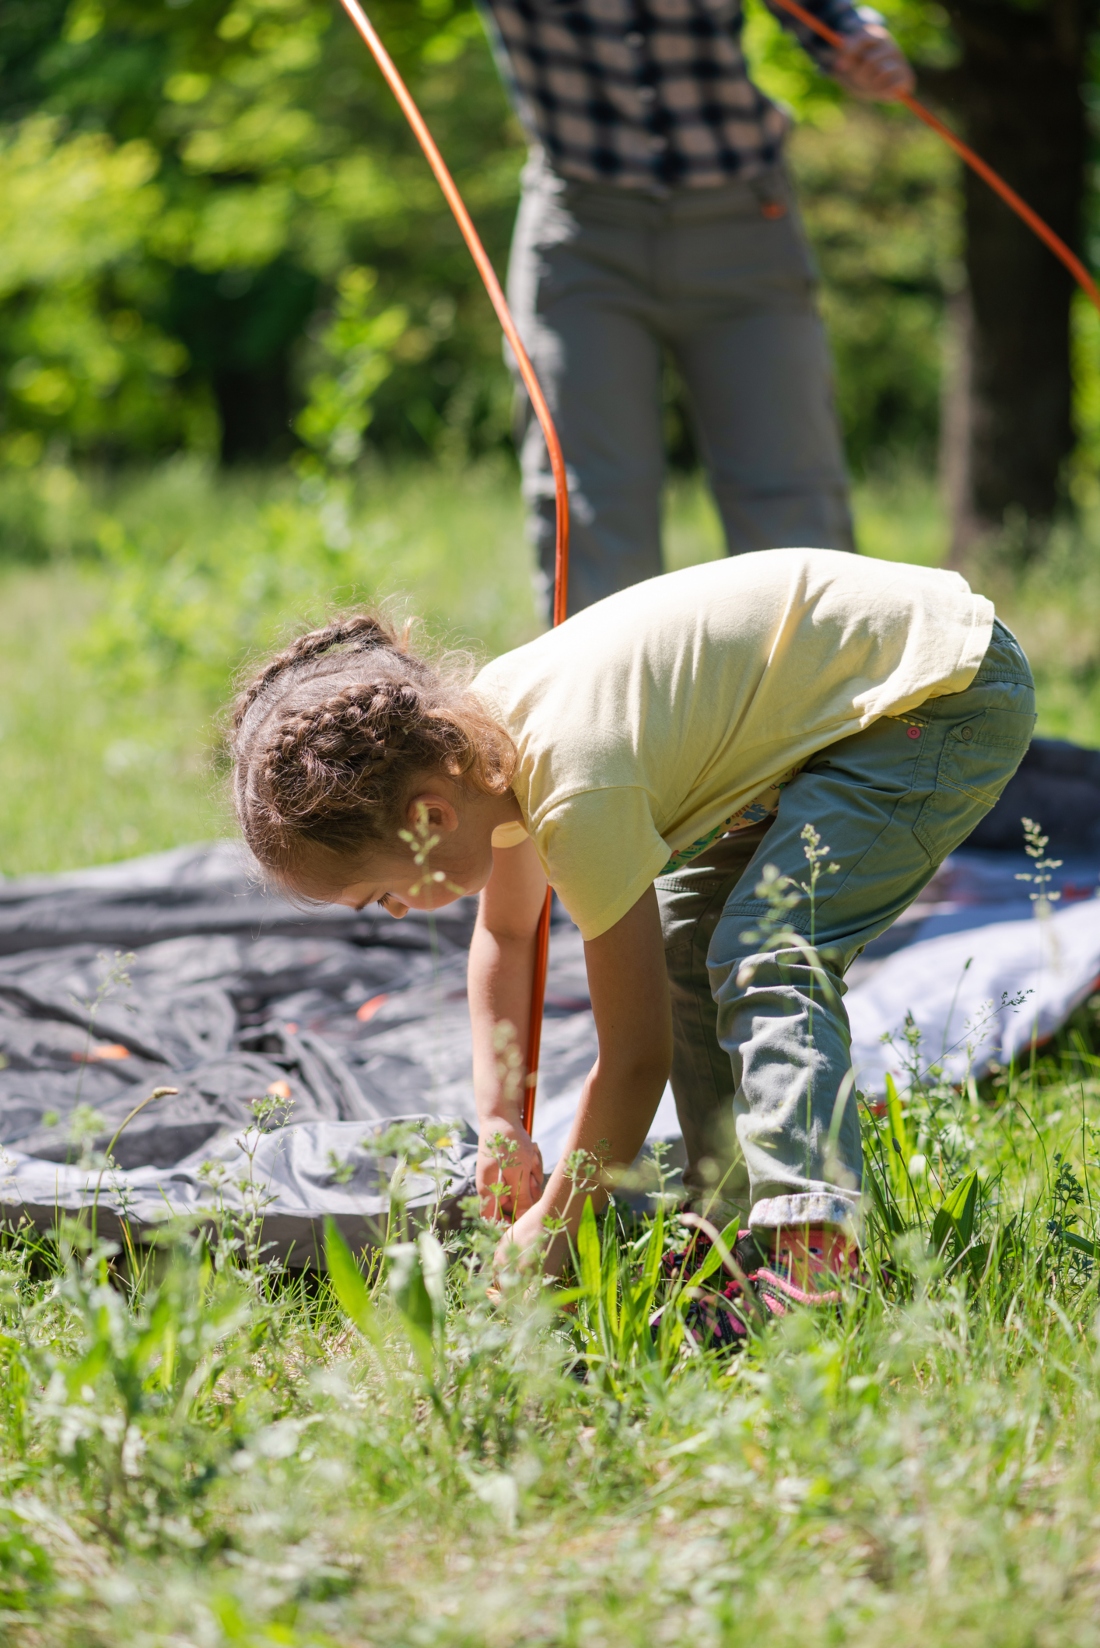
{"points": [[348, 1284]]}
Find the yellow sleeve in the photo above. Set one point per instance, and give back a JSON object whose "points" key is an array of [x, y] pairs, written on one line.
{"points": [[601, 851], [509, 835]]}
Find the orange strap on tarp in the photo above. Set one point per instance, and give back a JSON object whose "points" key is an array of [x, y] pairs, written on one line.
{"points": [[996, 182], [557, 463]]}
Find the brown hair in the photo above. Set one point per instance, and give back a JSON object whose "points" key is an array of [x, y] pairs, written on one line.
{"points": [[329, 738]]}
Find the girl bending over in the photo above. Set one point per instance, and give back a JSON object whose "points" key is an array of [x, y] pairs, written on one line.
{"points": [[648, 759]]}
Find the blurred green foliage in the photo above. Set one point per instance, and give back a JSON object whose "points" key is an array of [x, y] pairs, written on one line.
{"points": [[184, 188], [217, 233], [879, 197]]}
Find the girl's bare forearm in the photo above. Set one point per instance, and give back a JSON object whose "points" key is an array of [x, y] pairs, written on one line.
{"points": [[630, 1000], [610, 1127], [500, 976], [501, 972]]}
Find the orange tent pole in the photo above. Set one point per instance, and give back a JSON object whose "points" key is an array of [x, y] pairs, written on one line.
{"points": [[485, 269], [996, 182]]}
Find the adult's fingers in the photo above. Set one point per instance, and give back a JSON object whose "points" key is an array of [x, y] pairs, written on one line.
{"points": [[874, 66]]}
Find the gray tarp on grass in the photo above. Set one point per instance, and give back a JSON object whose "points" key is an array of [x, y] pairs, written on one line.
{"points": [[230, 994], [981, 975], [233, 993], [980, 972], [302, 1173]]}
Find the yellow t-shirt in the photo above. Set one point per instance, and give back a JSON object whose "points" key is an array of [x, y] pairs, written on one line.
{"points": [[656, 718]]}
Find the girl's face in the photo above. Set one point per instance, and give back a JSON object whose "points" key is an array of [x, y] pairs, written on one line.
{"points": [[450, 855]]}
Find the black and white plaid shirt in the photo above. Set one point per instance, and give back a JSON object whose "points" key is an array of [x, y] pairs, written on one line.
{"points": [[646, 94]]}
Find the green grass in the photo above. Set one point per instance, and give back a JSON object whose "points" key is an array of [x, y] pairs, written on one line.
{"points": [[198, 1455], [208, 1455], [127, 604]]}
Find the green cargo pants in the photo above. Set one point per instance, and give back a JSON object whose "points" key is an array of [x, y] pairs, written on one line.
{"points": [[762, 1046]]}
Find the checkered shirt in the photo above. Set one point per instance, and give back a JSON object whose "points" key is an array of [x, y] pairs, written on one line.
{"points": [[645, 94]]}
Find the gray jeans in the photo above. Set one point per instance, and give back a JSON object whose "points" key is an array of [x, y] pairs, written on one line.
{"points": [[601, 281], [760, 1062]]}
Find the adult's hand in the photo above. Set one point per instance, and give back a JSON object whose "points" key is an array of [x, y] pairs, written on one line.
{"points": [[872, 65]]}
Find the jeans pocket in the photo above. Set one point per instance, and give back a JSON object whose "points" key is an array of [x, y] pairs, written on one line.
{"points": [[980, 754]]}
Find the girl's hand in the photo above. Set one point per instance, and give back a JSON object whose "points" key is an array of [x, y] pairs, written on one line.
{"points": [[872, 65], [507, 1155], [520, 1246]]}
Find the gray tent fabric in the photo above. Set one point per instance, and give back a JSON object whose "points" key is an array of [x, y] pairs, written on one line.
{"points": [[360, 1017], [290, 1179], [180, 970], [1058, 784], [208, 889], [981, 969]]}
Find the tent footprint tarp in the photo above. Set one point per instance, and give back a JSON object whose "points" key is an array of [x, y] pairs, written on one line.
{"points": [[179, 970]]}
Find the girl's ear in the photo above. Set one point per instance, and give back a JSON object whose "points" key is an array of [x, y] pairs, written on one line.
{"points": [[431, 811]]}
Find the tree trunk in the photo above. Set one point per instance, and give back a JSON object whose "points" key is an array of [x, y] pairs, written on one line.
{"points": [[1016, 95], [956, 403], [240, 326]]}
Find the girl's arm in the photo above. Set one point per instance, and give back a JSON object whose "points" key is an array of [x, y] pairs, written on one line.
{"points": [[628, 982], [501, 973]]}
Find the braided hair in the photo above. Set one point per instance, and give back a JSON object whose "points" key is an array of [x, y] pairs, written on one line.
{"points": [[330, 736]]}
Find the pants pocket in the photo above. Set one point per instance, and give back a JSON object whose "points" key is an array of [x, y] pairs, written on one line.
{"points": [[980, 754]]}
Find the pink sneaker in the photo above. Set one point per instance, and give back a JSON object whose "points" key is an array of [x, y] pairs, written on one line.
{"points": [[795, 1265], [718, 1317], [804, 1265]]}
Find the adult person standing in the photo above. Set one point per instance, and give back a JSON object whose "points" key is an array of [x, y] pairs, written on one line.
{"points": [[657, 214]]}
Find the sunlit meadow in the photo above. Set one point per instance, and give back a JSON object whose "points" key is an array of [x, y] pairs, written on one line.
{"points": [[198, 1450]]}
